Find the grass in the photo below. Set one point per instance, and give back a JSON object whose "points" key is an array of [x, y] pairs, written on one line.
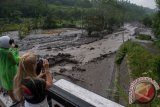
{"points": [[157, 43], [121, 53], [9, 27], [141, 62], [144, 37], [125, 97], [15, 27]]}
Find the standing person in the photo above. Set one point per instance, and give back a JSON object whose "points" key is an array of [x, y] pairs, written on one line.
{"points": [[9, 58], [30, 86]]}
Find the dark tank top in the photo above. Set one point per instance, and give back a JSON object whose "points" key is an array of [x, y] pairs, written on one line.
{"points": [[34, 90]]}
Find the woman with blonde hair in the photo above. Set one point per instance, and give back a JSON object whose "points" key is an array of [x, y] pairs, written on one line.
{"points": [[28, 85]]}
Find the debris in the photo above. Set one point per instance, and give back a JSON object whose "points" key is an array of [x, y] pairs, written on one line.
{"points": [[62, 70], [60, 58], [68, 76], [102, 56], [49, 47], [78, 69], [91, 48], [91, 84]]}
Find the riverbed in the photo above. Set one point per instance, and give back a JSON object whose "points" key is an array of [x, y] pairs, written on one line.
{"points": [[74, 56]]}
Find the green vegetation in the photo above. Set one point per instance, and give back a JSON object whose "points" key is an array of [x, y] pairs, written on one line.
{"points": [[144, 37], [147, 21], [48, 14], [98, 19], [8, 27], [156, 25], [141, 62], [25, 28], [121, 53], [157, 43], [156, 21]]}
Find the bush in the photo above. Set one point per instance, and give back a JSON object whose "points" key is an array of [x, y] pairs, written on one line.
{"points": [[155, 67], [144, 37], [68, 25], [123, 50], [11, 27], [157, 43], [121, 54], [8, 27], [139, 61], [25, 28]]}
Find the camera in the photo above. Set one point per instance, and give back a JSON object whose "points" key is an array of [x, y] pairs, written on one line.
{"points": [[11, 41], [39, 67]]}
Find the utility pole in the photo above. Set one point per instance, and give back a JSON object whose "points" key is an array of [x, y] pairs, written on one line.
{"points": [[123, 34], [123, 26], [82, 21]]}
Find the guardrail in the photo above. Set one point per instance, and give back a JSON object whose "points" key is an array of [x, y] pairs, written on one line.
{"points": [[67, 94]]}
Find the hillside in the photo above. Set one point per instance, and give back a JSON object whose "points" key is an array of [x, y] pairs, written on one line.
{"points": [[35, 14]]}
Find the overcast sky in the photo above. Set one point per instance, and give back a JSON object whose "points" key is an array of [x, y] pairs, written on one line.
{"points": [[145, 3]]}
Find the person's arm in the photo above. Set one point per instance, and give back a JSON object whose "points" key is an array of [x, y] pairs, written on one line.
{"points": [[49, 81], [11, 58], [41, 75], [14, 55]]}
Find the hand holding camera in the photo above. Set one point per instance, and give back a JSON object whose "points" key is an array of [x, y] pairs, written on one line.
{"points": [[45, 65], [42, 67]]}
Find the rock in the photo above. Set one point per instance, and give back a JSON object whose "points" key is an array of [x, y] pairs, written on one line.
{"points": [[78, 69], [72, 74], [62, 70], [49, 47], [91, 48]]}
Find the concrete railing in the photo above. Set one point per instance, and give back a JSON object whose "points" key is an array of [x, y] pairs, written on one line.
{"points": [[67, 94]]}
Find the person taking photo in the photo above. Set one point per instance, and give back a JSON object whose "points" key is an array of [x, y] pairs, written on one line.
{"points": [[28, 85]]}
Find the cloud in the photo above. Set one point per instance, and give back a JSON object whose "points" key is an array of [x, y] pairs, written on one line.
{"points": [[145, 3]]}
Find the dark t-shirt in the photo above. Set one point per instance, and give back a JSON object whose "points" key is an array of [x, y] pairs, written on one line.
{"points": [[34, 90]]}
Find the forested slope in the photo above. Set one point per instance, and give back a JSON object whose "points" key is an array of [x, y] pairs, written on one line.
{"points": [[67, 13]]}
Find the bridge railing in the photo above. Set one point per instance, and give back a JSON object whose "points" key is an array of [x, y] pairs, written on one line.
{"points": [[67, 94]]}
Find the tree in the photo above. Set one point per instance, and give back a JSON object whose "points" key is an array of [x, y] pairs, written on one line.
{"points": [[25, 28], [62, 13], [84, 3], [156, 25], [49, 21], [93, 23], [147, 21], [106, 14], [156, 21]]}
